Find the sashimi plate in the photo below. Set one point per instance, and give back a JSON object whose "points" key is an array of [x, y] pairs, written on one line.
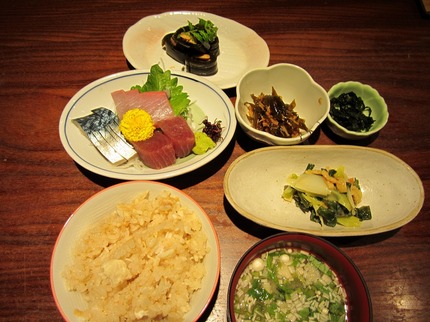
{"points": [[254, 183], [207, 101], [241, 48]]}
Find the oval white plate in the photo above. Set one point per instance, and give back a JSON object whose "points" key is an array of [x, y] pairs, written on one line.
{"points": [[254, 183], [207, 100], [242, 49], [103, 203]]}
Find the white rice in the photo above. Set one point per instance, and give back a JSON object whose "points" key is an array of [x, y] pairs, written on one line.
{"points": [[141, 263]]}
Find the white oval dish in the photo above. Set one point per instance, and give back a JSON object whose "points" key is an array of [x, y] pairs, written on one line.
{"points": [[254, 182], [242, 49], [207, 100], [102, 204]]}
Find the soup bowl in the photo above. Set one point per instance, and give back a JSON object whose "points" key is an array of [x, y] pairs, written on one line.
{"points": [[357, 306]]}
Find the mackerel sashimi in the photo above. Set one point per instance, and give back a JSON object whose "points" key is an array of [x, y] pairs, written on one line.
{"points": [[173, 137]]}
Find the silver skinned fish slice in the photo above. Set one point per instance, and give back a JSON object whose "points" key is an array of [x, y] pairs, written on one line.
{"points": [[102, 129]]}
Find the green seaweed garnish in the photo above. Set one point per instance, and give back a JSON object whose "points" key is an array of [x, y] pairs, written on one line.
{"points": [[350, 111]]}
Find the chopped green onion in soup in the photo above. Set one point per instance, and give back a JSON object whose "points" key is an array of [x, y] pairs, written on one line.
{"points": [[289, 285]]}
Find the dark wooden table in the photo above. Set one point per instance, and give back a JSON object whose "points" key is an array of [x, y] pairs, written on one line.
{"points": [[50, 49]]}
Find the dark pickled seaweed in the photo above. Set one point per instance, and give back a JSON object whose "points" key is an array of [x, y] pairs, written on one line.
{"points": [[213, 130], [349, 110], [270, 114]]}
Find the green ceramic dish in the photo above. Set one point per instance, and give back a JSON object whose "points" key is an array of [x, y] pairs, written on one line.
{"points": [[371, 98]]}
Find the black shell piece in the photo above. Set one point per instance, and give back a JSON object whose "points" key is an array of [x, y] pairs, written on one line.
{"points": [[188, 54], [211, 48]]}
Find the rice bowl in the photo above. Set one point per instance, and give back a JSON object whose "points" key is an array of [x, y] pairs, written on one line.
{"points": [[164, 262]]}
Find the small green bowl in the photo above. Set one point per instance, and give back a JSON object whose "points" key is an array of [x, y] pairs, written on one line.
{"points": [[371, 98]]}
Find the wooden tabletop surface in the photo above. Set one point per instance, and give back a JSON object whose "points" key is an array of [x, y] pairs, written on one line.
{"points": [[50, 49]]}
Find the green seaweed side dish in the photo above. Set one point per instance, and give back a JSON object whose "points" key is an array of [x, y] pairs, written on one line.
{"points": [[349, 110]]}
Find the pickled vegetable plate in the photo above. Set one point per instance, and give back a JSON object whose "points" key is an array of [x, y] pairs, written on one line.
{"points": [[254, 182]]}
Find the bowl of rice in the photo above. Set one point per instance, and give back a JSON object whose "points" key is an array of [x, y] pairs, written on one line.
{"points": [[297, 277], [138, 250]]}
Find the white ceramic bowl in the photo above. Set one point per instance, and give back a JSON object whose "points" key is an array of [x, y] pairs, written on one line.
{"points": [[371, 98], [290, 82], [94, 210]]}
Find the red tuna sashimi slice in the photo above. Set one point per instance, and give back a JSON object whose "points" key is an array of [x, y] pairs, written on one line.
{"points": [[155, 103], [179, 132], [157, 152]]}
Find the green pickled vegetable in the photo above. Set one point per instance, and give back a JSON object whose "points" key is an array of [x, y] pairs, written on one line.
{"points": [[337, 204]]}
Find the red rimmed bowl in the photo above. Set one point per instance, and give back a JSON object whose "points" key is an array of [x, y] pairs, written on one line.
{"points": [[358, 301], [93, 212]]}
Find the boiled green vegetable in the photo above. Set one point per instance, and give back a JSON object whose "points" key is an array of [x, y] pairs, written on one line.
{"points": [[205, 31], [334, 203]]}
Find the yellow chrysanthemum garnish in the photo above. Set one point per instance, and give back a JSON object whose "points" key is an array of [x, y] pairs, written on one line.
{"points": [[137, 125]]}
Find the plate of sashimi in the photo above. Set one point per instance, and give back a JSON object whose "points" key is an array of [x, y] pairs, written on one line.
{"points": [[147, 124]]}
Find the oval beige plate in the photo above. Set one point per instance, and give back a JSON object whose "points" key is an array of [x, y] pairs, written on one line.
{"points": [[254, 183]]}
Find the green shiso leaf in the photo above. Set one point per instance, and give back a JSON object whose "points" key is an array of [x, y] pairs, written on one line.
{"points": [[159, 80], [204, 31]]}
